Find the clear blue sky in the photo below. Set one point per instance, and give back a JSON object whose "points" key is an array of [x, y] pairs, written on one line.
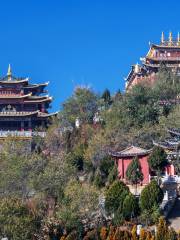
{"points": [[87, 42]]}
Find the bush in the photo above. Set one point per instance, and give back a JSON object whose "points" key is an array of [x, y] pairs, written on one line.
{"points": [[16, 221], [115, 196], [134, 173], [113, 174], [98, 180], [130, 207], [151, 195]]}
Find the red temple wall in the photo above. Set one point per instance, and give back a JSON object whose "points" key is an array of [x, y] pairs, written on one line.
{"points": [[123, 164]]}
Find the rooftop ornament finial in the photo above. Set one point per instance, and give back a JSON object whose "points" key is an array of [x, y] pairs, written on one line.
{"points": [[136, 68], [162, 37], [9, 73], [178, 39], [170, 38]]}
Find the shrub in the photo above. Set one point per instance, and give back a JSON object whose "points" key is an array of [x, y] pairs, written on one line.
{"points": [[115, 196], [151, 195]]}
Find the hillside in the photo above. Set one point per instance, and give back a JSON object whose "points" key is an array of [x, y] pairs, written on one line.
{"points": [[54, 191]]}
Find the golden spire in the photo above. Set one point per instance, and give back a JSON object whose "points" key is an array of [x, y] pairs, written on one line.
{"points": [[178, 39], [162, 37], [170, 38]]}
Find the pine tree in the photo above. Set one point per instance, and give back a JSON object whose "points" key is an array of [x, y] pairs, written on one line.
{"points": [[134, 173], [107, 97], [151, 196], [157, 160]]}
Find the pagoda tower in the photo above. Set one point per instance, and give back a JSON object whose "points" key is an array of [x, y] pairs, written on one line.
{"points": [[167, 53], [23, 106]]}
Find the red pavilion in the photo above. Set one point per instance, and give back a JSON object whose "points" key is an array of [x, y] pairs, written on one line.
{"points": [[124, 158]]}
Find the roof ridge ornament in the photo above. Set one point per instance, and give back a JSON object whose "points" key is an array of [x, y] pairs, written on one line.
{"points": [[170, 38], [136, 68], [178, 39], [9, 72]]}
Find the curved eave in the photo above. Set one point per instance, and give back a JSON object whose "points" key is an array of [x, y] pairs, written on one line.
{"points": [[174, 131], [124, 155], [130, 74], [38, 100], [156, 46], [162, 145], [37, 85], [13, 81], [18, 114], [45, 115], [15, 97]]}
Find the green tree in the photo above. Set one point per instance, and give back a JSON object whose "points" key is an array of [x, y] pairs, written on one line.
{"points": [[78, 203], [83, 104], [50, 177], [151, 195], [167, 85], [130, 207], [15, 168], [158, 160], [106, 97], [134, 173], [16, 220], [113, 175], [114, 197]]}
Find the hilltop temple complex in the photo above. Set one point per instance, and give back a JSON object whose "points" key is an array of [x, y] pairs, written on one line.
{"points": [[167, 53], [23, 106]]}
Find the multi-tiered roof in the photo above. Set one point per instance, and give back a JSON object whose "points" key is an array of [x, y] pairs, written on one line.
{"points": [[167, 52], [172, 144], [23, 106]]}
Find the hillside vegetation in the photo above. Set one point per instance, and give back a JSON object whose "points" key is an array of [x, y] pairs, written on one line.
{"points": [[53, 192]]}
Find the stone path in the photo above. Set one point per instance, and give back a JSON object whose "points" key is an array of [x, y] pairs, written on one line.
{"points": [[174, 216]]}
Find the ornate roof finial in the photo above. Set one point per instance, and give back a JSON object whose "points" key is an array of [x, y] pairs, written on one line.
{"points": [[170, 37], [136, 68], [9, 73], [178, 39], [162, 37]]}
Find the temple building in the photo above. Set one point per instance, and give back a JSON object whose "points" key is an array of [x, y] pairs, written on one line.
{"points": [[171, 146], [23, 106], [167, 53], [125, 157]]}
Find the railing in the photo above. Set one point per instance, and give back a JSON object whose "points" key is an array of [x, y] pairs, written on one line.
{"points": [[170, 179], [21, 134]]}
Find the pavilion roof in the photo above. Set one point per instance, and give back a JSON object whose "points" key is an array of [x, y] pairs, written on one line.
{"points": [[13, 80], [130, 152], [166, 145], [175, 131]]}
